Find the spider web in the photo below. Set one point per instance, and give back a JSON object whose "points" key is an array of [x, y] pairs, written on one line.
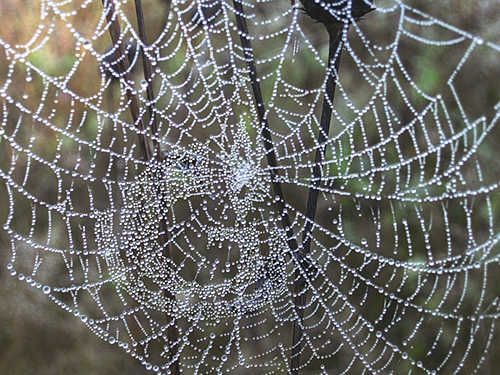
{"points": [[182, 258]]}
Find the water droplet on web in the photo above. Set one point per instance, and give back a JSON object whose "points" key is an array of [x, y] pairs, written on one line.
{"points": [[119, 228]]}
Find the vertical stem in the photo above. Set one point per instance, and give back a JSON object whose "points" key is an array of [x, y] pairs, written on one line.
{"points": [[334, 53], [301, 261], [124, 68], [335, 48], [147, 76], [265, 130], [164, 239]]}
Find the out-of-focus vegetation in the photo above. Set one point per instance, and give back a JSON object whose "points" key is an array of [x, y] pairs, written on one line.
{"points": [[36, 336]]}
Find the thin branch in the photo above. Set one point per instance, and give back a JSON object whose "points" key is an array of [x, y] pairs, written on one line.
{"points": [[326, 115], [301, 261], [265, 130], [148, 77], [164, 239], [124, 68], [335, 49]]}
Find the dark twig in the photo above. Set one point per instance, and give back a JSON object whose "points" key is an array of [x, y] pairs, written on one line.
{"points": [[124, 68], [164, 239], [265, 130], [334, 52], [332, 15], [147, 76], [326, 115], [275, 176]]}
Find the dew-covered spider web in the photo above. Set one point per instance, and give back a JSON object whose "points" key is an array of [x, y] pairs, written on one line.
{"points": [[155, 218]]}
